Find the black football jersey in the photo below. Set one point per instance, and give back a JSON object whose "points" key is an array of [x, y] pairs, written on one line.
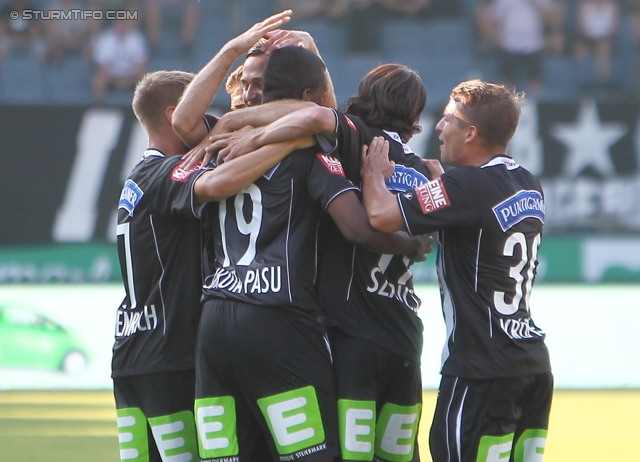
{"points": [[265, 237], [367, 294], [159, 248], [490, 221]]}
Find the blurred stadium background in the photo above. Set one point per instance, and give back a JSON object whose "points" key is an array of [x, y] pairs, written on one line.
{"points": [[63, 157]]}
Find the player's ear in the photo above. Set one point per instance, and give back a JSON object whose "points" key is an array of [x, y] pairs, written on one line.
{"points": [[168, 113], [307, 95], [471, 133]]}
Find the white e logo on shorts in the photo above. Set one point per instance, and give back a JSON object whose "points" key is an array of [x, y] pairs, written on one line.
{"points": [[216, 424], [294, 419], [529, 447], [282, 424]]}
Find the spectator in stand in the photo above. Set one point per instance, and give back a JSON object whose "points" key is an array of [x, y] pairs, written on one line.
{"points": [[114, 5], [520, 26], [365, 18], [156, 10], [555, 31], [120, 54], [5, 41], [19, 35], [485, 27], [597, 26], [634, 17], [69, 36], [307, 8]]}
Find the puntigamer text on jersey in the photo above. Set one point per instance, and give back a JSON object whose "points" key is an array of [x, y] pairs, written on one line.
{"points": [[524, 204]]}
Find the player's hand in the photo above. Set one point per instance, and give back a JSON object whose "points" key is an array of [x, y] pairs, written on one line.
{"points": [[245, 41], [197, 155], [423, 246], [434, 166], [228, 146], [281, 38], [375, 158]]}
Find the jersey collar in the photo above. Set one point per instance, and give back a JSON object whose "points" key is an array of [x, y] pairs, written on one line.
{"points": [[395, 137], [502, 159], [151, 152]]}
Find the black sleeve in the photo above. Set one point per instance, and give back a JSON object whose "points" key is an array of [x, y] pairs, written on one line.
{"points": [[327, 179], [173, 188], [446, 202], [210, 121], [351, 134]]}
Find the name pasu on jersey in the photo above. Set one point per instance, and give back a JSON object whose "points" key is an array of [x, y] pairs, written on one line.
{"points": [[256, 281], [265, 237]]}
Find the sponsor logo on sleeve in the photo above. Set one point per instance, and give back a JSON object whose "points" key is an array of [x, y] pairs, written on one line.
{"points": [[524, 204], [332, 164], [404, 179], [179, 174], [130, 196], [432, 196], [351, 124]]}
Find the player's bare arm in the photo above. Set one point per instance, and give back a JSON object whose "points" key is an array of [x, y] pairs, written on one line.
{"points": [[311, 120], [233, 176], [434, 166], [258, 116], [381, 205], [255, 116], [187, 118], [351, 218]]}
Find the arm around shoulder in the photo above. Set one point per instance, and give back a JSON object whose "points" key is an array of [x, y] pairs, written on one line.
{"points": [[351, 218], [232, 177]]}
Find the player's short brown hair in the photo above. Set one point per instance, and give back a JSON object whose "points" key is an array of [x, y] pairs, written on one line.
{"points": [[155, 92], [492, 108], [390, 97], [233, 86]]}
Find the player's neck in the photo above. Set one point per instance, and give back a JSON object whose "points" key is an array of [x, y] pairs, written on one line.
{"points": [[168, 144], [480, 155]]}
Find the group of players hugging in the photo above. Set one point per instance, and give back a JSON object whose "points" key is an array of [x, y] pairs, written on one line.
{"points": [[270, 313]]}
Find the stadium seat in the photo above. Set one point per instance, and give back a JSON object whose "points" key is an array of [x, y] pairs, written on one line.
{"points": [[335, 63], [624, 59], [330, 36], [118, 98], [167, 63], [488, 65], [170, 44], [257, 10], [440, 73], [70, 81], [213, 32], [355, 67], [428, 37], [559, 80], [23, 80]]}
